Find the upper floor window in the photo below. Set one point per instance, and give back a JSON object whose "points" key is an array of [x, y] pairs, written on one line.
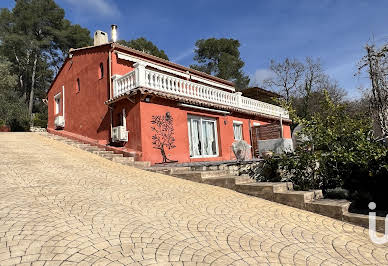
{"points": [[77, 86], [101, 71], [57, 101], [237, 130]]}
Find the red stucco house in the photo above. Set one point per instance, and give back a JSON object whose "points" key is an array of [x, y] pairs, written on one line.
{"points": [[153, 109]]}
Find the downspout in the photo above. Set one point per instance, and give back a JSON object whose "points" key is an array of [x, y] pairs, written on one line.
{"points": [[281, 126], [63, 104], [110, 90], [250, 138]]}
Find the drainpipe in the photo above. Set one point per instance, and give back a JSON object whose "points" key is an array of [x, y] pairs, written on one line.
{"points": [[281, 126], [110, 90], [63, 104], [250, 137]]}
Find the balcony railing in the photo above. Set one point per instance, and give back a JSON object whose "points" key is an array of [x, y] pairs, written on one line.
{"points": [[142, 77]]}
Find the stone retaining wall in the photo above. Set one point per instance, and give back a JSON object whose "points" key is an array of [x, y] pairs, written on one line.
{"points": [[308, 200]]}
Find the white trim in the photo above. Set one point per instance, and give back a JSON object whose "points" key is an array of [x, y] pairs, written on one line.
{"points": [[63, 104], [57, 105], [124, 118], [256, 124], [186, 74], [237, 122], [203, 108]]}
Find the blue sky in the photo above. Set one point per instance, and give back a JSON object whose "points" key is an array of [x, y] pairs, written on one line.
{"points": [[334, 31]]}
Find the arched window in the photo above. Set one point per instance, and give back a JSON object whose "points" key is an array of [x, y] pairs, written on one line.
{"points": [[101, 71], [77, 86]]}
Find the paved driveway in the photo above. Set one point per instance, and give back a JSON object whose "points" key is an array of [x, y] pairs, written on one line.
{"points": [[61, 205]]}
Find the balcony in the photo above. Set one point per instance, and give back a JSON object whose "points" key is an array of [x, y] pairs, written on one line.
{"points": [[142, 77]]}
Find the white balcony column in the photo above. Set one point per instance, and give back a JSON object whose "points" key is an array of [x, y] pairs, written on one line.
{"points": [[140, 73], [239, 98], [115, 85]]}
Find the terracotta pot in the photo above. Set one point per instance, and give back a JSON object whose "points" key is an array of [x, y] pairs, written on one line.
{"points": [[5, 128]]}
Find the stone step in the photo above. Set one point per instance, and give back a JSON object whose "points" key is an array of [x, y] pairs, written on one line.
{"points": [[124, 160], [296, 199], [80, 145], [244, 180], [101, 152], [90, 148], [168, 170], [110, 156], [142, 164], [197, 176], [221, 181], [264, 190], [329, 207]]}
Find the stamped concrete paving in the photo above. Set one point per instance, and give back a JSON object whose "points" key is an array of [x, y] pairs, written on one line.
{"points": [[63, 206]]}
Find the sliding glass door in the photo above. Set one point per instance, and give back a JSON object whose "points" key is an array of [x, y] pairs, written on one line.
{"points": [[203, 139]]}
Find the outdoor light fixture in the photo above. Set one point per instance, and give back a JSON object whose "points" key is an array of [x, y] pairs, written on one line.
{"points": [[147, 99]]}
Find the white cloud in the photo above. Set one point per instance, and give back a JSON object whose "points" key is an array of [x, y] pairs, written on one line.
{"points": [[105, 8], [260, 75]]}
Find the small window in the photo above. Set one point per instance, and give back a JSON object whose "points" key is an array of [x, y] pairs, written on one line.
{"points": [[57, 100], [237, 130], [101, 71], [77, 86]]}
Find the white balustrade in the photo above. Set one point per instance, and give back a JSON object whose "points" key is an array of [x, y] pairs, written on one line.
{"points": [[178, 86]]}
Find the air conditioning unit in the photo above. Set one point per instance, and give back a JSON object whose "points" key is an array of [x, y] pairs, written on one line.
{"points": [[59, 121], [119, 134]]}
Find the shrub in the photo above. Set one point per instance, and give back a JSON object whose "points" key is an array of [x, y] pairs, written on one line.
{"points": [[340, 152], [337, 193], [40, 120], [14, 113]]}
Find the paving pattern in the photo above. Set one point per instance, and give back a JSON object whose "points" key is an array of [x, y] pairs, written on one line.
{"points": [[63, 206]]}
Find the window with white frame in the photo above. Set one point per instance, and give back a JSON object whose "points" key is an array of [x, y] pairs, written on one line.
{"points": [[57, 100], [203, 139], [237, 130]]}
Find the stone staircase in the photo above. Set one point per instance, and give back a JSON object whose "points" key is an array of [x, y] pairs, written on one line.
{"points": [[109, 155], [224, 175]]}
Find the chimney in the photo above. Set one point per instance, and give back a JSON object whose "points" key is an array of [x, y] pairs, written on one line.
{"points": [[114, 33], [100, 38]]}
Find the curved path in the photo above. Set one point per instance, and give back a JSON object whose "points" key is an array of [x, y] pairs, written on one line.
{"points": [[62, 206]]}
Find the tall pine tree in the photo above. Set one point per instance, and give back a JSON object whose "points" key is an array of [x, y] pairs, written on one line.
{"points": [[34, 36]]}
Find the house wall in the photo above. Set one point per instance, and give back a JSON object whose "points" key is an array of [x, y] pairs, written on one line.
{"points": [[181, 152], [88, 116], [133, 118], [85, 111]]}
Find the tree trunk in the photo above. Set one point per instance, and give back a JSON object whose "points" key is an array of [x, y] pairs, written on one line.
{"points": [[378, 89], [31, 102]]}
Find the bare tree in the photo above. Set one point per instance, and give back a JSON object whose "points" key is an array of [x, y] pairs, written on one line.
{"points": [[303, 84], [376, 63], [287, 76]]}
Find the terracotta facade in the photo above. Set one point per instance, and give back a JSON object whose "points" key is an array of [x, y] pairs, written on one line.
{"points": [[88, 115]]}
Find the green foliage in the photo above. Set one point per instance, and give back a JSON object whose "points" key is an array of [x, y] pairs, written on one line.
{"points": [[40, 120], [221, 58], [142, 44], [338, 152], [337, 193], [13, 111], [34, 37]]}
